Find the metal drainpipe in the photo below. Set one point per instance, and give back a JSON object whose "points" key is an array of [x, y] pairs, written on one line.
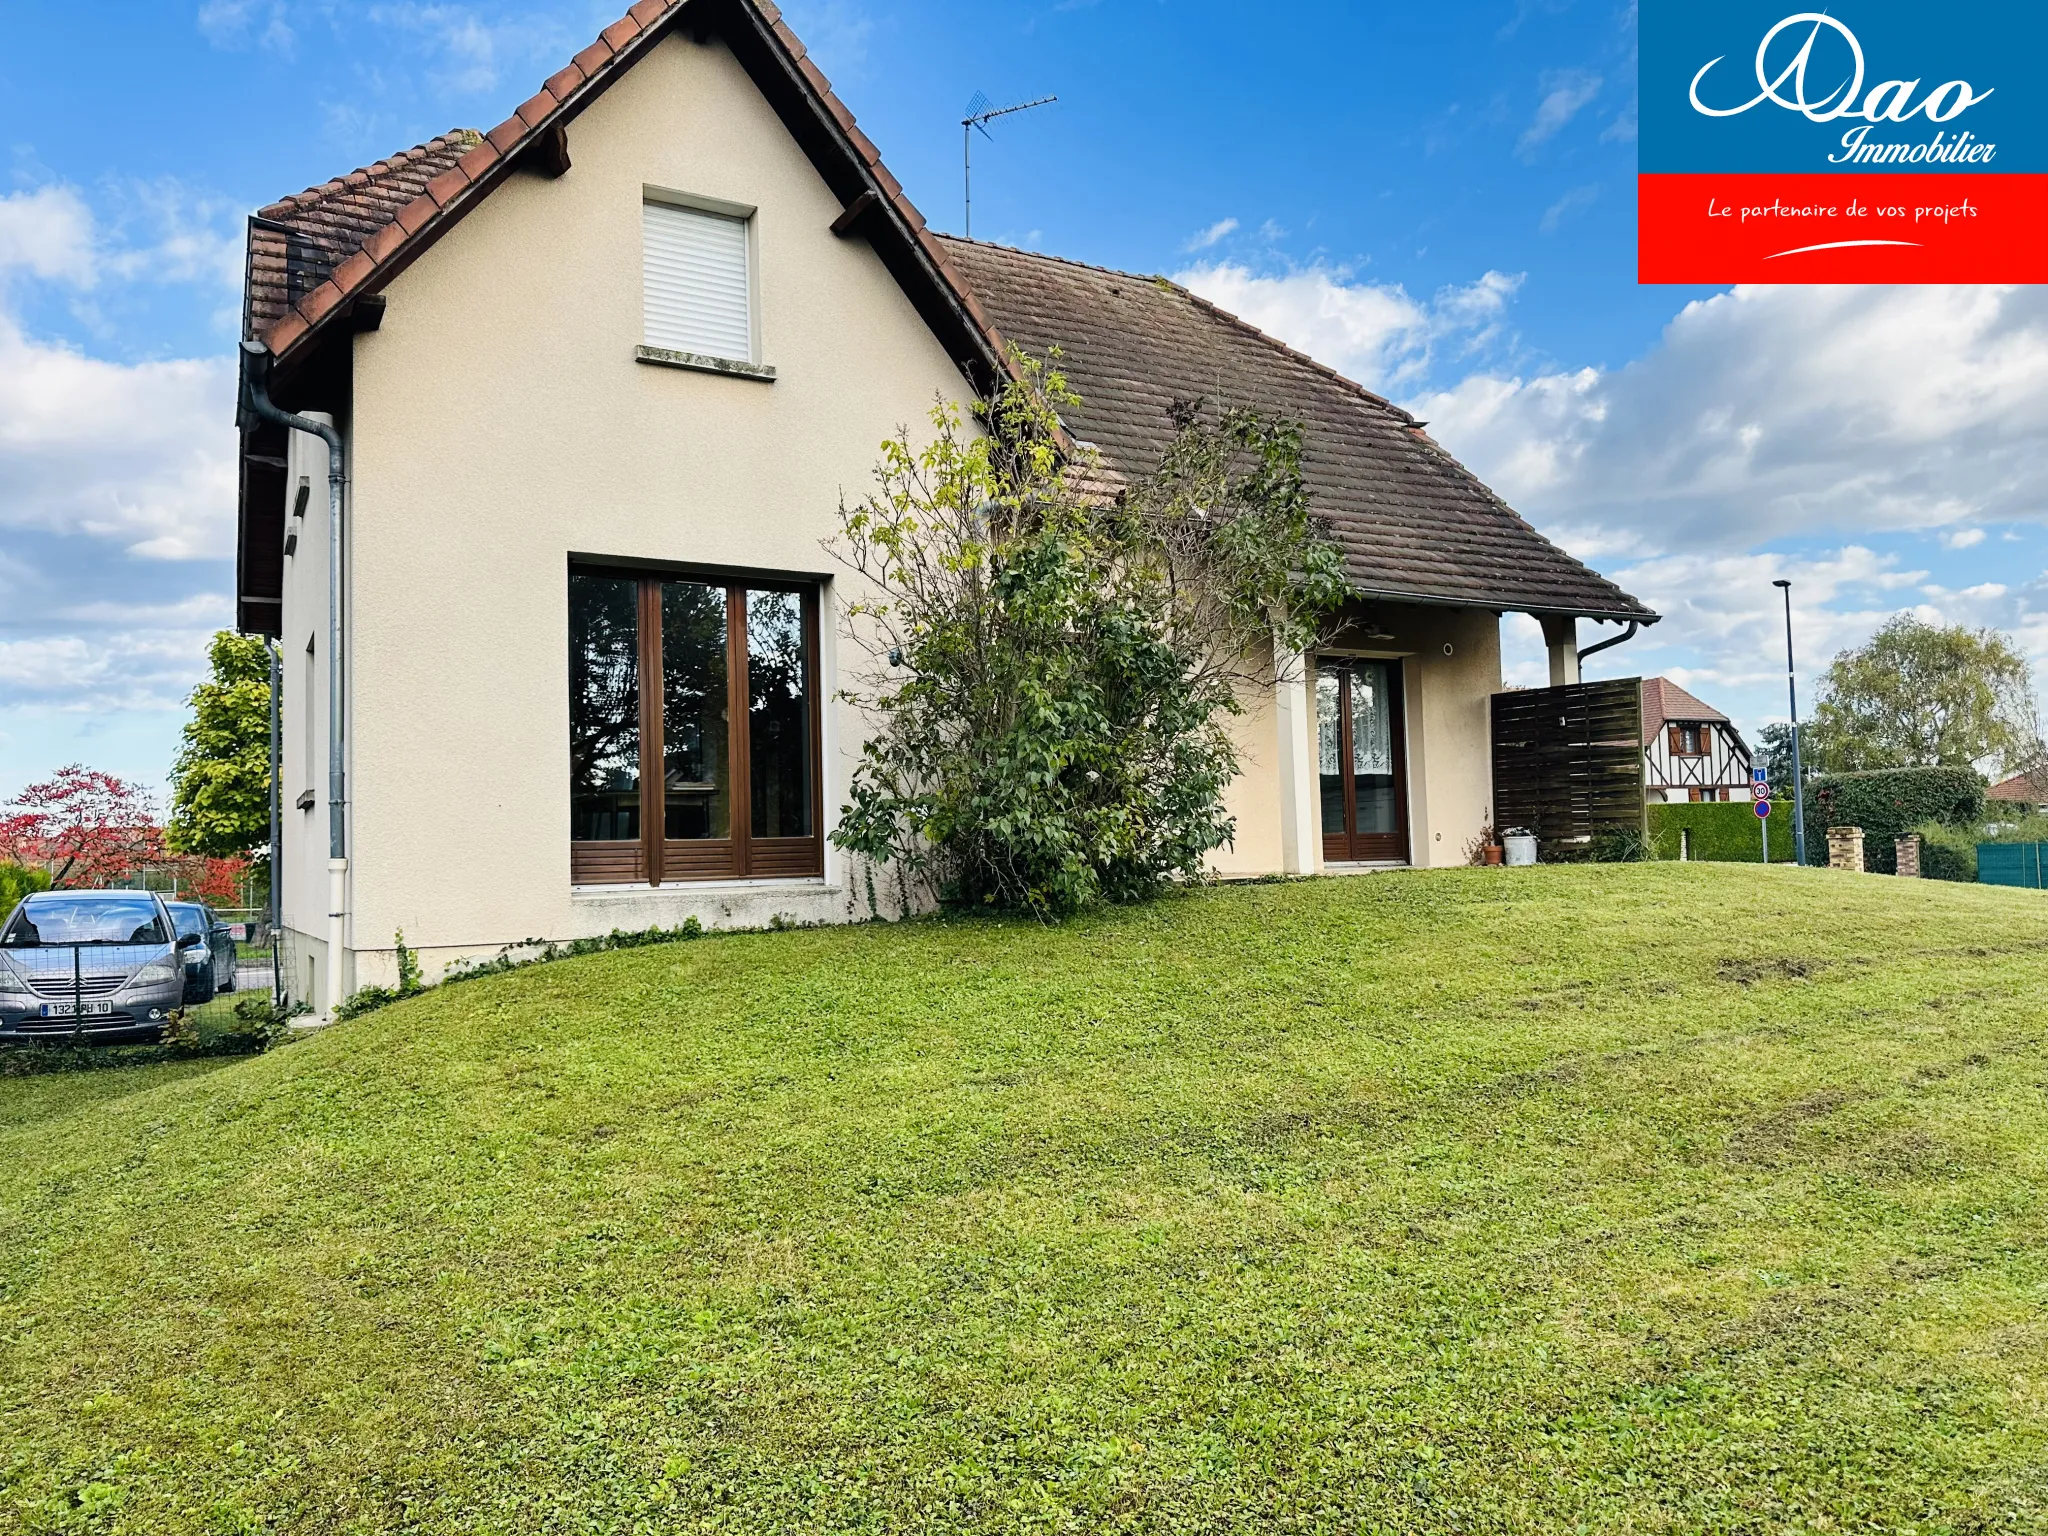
{"points": [[276, 655], [255, 379], [1594, 650]]}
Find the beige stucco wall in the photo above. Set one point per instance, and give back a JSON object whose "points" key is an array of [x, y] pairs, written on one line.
{"points": [[501, 424], [1450, 669]]}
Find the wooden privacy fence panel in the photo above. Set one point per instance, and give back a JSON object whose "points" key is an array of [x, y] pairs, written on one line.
{"points": [[1568, 762]]}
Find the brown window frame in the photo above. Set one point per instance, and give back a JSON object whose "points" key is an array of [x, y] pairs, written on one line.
{"points": [[653, 859]]}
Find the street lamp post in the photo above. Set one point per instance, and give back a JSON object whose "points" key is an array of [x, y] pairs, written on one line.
{"points": [[1792, 695]]}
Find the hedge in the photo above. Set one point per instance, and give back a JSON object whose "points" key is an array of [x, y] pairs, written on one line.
{"points": [[1948, 853], [1724, 832], [16, 882], [1888, 803]]}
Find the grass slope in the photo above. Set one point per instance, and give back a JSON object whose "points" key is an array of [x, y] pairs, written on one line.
{"points": [[1679, 1198]]}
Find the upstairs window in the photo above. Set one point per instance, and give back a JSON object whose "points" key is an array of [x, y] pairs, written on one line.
{"points": [[699, 280], [1691, 741]]}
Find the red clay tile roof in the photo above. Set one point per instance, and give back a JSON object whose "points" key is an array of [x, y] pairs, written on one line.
{"points": [[394, 232], [295, 245], [1665, 701], [2026, 788], [1412, 520]]}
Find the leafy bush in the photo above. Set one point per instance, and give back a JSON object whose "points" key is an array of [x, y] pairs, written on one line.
{"points": [[1053, 674], [1621, 845], [511, 958], [369, 999], [1886, 804], [16, 882], [2017, 827], [1948, 853], [1723, 832]]}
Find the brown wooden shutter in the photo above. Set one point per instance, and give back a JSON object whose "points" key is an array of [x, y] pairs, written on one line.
{"points": [[1706, 741], [1671, 742]]}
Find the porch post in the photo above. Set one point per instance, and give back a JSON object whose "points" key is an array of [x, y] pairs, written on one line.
{"points": [[1561, 634], [1294, 714]]}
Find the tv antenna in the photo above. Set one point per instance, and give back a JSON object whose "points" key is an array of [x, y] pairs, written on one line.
{"points": [[979, 115]]}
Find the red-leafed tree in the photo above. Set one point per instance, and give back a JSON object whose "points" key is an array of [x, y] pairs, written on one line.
{"points": [[86, 827], [218, 881]]}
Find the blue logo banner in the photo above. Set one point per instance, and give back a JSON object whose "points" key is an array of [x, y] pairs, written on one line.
{"points": [[1886, 86]]}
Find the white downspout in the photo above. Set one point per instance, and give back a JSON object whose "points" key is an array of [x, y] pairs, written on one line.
{"points": [[255, 378]]}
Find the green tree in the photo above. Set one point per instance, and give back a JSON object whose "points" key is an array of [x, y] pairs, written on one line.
{"points": [[1774, 755], [1927, 696], [220, 783], [1054, 663]]}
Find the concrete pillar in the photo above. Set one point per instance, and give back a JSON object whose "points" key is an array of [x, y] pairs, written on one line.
{"points": [[1294, 714], [1909, 856], [1845, 849], [1561, 635]]}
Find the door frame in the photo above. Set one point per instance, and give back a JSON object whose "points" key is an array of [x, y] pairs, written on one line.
{"points": [[1398, 846]]}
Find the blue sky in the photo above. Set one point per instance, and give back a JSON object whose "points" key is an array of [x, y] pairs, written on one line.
{"points": [[1437, 199]]}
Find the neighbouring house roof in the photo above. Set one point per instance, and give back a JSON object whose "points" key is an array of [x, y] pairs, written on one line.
{"points": [[1413, 522], [1665, 703], [2026, 788]]}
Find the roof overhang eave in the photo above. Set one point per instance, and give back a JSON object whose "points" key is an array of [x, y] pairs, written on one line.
{"points": [[1642, 616]]}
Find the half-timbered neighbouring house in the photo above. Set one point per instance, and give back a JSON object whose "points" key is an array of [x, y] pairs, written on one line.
{"points": [[1691, 751], [570, 652]]}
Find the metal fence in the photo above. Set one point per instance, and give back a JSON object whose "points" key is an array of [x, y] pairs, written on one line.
{"points": [[2021, 864]]}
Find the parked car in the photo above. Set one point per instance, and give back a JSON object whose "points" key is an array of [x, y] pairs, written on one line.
{"points": [[210, 965], [107, 964]]}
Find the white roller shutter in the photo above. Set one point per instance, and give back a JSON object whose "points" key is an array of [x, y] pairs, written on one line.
{"points": [[696, 276]]}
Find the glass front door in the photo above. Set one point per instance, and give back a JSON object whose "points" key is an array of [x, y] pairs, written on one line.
{"points": [[1360, 752]]}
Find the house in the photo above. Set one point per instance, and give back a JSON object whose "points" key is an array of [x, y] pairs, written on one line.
{"points": [[1691, 751], [2025, 793], [599, 379]]}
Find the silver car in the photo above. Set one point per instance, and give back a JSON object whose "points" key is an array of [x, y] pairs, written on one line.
{"points": [[104, 964]]}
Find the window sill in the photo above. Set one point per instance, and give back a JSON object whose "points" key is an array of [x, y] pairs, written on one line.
{"points": [[813, 884], [661, 357]]}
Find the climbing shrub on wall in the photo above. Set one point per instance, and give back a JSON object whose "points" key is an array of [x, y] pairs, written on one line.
{"points": [[1054, 656]]}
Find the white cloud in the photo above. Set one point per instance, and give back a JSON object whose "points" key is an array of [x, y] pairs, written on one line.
{"points": [[1575, 201], [837, 32], [47, 233], [248, 23], [1809, 433], [1212, 234], [474, 47], [1770, 412], [1375, 333], [140, 457], [1565, 92]]}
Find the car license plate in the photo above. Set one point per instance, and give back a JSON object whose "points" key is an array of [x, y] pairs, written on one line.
{"points": [[71, 1010]]}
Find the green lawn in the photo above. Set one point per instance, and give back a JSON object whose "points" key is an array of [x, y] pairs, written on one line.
{"points": [[1635, 1199]]}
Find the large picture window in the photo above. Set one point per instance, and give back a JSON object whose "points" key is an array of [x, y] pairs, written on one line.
{"points": [[717, 683]]}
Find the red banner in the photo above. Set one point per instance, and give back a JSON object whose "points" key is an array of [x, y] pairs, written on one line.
{"points": [[1788, 228]]}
